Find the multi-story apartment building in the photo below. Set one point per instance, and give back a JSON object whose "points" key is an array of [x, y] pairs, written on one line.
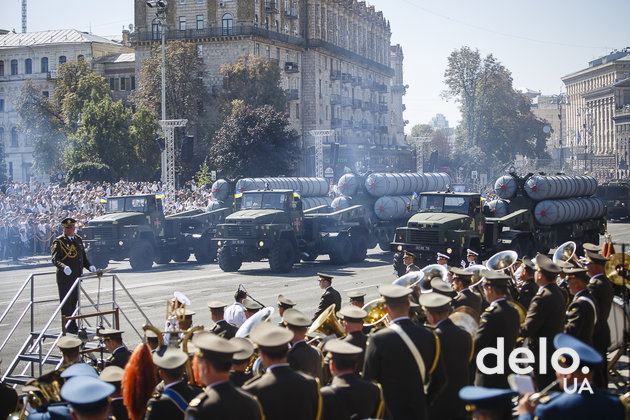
{"points": [[552, 109], [593, 99], [35, 56], [338, 67]]}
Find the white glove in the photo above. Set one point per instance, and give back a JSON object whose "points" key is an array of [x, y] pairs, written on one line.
{"points": [[92, 268], [67, 271]]}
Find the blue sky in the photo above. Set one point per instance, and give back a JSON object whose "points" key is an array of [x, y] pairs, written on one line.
{"points": [[538, 41]]}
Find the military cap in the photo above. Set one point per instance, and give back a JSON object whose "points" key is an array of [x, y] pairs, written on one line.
{"points": [[285, 302], [413, 304], [595, 258], [481, 398], [442, 256], [393, 292], [470, 252], [112, 374], [181, 298], [79, 369], [352, 313], [266, 334], [326, 277], [435, 301], [494, 278], [68, 222], [409, 254], [86, 393], [110, 333], [581, 273], [529, 264], [442, 287], [460, 272], [250, 305], [295, 318], [591, 247], [546, 265], [213, 347], [69, 343], [216, 304], [187, 313], [245, 349], [356, 295], [588, 355], [341, 349], [166, 357]]}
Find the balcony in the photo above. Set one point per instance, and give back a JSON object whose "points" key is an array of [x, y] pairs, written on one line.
{"points": [[350, 55], [366, 106], [293, 95], [335, 74], [367, 126], [291, 67], [367, 84], [400, 89], [346, 101], [382, 107], [335, 123], [291, 13], [346, 77], [335, 99], [356, 125], [356, 81], [271, 7], [382, 129]]}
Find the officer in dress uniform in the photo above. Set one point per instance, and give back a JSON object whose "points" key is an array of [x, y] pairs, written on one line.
{"points": [[356, 299], [240, 360], [70, 350], [582, 311], [488, 403], [408, 260], [113, 375], [120, 354], [528, 287], [442, 259], [410, 384], [302, 356], [471, 258], [352, 320], [545, 316], [461, 280], [329, 297], [349, 396], [499, 320], [284, 303], [441, 287], [221, 399], [251, 307], [284, 393], [222, 328], [171, 401], [575, 404], [68, 255], [457, 351], [88, 397]]}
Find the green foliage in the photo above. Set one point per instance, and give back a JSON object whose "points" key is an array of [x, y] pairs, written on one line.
{"points": [[90, 171], [3, 164], [144, 130], [204, 174], [255, 142], [421, 130]]}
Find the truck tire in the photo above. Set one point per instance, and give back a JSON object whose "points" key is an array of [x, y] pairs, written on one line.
{"points": [[163, 256], [359, 247], [141, 256], [342, 251], [98, 260], [227, 261], [312, 256], [281, 257], [181, 255], [206, 252]]}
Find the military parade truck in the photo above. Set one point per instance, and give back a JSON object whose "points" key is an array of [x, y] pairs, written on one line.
{"points": [[271, 225], [452, 222], [135, 227], [616, 196]]}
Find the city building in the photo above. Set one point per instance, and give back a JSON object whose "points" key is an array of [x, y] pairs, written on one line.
{"points": [[338, 68], [552, 109], [594, 98], [35, 56]]}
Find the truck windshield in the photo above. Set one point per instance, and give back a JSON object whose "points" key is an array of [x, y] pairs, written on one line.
{"points": [[264, 200], [444, 204], [612, 192], [117, 205]]}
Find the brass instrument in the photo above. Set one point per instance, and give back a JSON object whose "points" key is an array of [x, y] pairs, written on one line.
{"points": [[476, 270], [259, 316], [622, 262], [466, 318], [189, 368], [537, 396], [431, 271], [160, 334], [565, 252], [522, 312], [377, 315], [502, 260], [409, 279], [327, 324]]}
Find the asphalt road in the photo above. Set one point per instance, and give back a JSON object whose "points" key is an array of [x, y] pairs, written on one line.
{"points": [[200, 283]]}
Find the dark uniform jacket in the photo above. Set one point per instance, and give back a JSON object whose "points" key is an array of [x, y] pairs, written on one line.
{"points": [[239, 378], [389, 362], [457, 351], [307, 359], [357, 338], [527, 292], [500, 319], [171, 402], [119, 410], [412, 267], [348, 395], [8, 400], [286, 394], [545, 318], [119, 357], [329, 297], [602, 290], [224, 329], [224, 401], [581, 316], [468, 298], [68, 253]]}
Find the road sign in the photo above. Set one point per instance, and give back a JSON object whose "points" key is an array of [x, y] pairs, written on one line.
{"points": [[329, 172]]}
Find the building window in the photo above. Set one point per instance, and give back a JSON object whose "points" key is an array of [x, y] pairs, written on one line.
{"points": [[267, 23], [226, 24], [62, 59], [182, 23], [1, 105], [80, 57], [133, 82], [44, 65], [45, 94], [256, 48], [111, 83], [255, 21], [268, 51], [14, 137], [28, 66], [277, 26], [1, 136], [123, 83], [199, 21], [1, 67], [182, 1], [156, 29], [297, 111], [13, 67], [286, 29]]}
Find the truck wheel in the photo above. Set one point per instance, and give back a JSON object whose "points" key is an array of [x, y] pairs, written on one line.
{"points": [[206, 253], [227, 261], [181, 255], [163, 257], [141, 256], [312, 256], [342, 251], [281, 257], [359, 248], [384, 246], [98, 260]]}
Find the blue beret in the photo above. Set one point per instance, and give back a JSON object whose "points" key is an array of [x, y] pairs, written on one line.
{"points": [[86, 393], [79, 369], [587, 354], [480, 398]]}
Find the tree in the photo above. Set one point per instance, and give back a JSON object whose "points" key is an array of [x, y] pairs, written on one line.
{"points": [[255, 142], [421, 130], [144, 131]]}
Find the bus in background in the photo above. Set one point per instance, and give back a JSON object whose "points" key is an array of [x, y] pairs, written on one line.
{"points": [[616, 197]]}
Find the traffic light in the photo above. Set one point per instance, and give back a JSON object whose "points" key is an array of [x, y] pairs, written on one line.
{"points": [[187, 148]]}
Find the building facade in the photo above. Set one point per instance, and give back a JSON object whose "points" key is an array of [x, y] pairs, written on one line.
{"points": [[35, 56], [553, 110], [338, 67], [593, 101]]}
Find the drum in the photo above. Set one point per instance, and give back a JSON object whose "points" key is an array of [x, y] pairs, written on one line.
{"points": [[617, 321]]}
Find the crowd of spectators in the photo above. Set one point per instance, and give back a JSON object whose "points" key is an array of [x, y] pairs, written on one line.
{"points": [[30, 214]]}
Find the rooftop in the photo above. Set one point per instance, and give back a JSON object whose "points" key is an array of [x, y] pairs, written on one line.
{"points": [[62, 36], [117, 58]]}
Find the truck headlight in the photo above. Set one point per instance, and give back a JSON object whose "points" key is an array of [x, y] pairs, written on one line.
{"points": [[449, 250], [196, 235], [120, 243], [218, 243], [399, 247], [261, 244]]}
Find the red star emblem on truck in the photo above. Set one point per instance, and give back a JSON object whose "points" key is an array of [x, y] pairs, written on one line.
{"points": [[480, 226], [297, 223], [157, 223]]}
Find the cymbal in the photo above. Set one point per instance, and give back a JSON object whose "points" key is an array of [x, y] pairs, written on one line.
{"points": [[611, 269]]}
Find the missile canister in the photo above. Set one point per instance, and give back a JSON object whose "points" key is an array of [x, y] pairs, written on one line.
{"points": [[341, 203], [349, 184], [559, 186], [552, 212], [308, 187], [221, 189], [497, 208], [394, 184], [310, 202], [395, 207], [505, 187]]}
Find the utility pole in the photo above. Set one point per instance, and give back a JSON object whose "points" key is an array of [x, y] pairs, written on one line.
{"points": [[319, 149], [420, 142]]}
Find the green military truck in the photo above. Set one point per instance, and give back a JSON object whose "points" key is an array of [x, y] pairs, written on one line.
{"points": [[271, 225], [135, 227], [616, 195], [452, 222]]}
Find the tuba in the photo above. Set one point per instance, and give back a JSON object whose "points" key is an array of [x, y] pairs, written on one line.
{"points": [[431, 271], [565, 252], [377, 315], [465, 318], [260, 316], [327, 324], [502, 260]]}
